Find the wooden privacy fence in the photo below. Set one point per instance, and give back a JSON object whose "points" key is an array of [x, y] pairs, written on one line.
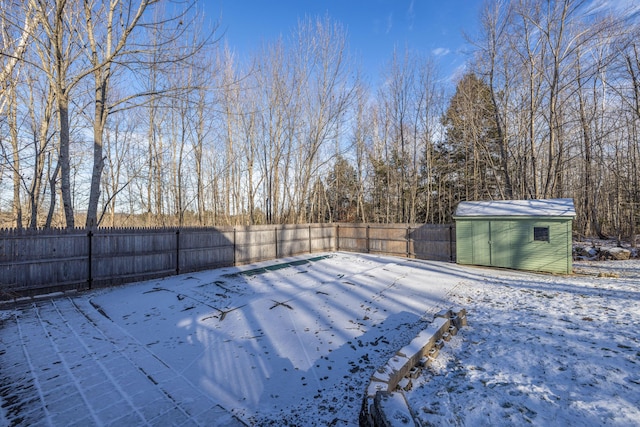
{"points": [[34, 262], [432, 242]]}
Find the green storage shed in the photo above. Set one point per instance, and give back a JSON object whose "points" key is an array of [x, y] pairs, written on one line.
{"points": [[521, 234]]}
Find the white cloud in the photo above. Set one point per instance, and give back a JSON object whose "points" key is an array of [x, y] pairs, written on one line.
{"points": [[440, 51], [389, 23], [630, 8], [411, 15], [457, 73]]}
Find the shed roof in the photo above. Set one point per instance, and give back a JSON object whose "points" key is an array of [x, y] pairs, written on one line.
{"points": [[523, 208]]}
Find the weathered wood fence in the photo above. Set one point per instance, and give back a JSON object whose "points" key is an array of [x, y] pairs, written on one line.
{"points": [[42, 261]]}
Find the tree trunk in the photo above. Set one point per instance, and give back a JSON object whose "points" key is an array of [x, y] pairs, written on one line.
{"points": [[99, 123], [15, 173], [52, 198], [64, 159]]}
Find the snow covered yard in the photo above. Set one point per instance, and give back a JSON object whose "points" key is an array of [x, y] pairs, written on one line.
{"points": [[292, 341], [542, 350]]}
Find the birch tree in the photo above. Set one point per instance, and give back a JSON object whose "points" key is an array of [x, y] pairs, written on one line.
{"points": [[17, 27]]}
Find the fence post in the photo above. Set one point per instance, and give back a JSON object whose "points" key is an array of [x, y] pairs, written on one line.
{"points": [[367, 236], [337, 237], [310, 238], [177, 251], [275, 235], [408, 241], [451, 243], [90, 259], [234, 246]]}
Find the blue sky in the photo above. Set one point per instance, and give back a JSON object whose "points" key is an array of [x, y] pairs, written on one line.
{"points": [[374, 27]]}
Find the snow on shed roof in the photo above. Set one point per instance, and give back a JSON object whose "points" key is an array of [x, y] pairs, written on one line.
{"points": [[539, 207]]}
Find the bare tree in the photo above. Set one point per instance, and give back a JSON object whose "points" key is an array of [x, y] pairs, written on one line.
{"points": [[108, 29], [17, 26], [628, 90], [321, 61], [15, 155], [276, 94], [58, 51], [428, 114], [202, 129], [41, 105], [361, 136], [399, 100], [494, 20], [531, 51]]}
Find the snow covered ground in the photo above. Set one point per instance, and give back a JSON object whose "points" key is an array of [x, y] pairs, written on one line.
{"points": [[294, 342], [542, 350]]}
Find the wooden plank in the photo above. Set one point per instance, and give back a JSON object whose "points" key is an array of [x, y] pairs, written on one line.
{"points": [[36, 261]]}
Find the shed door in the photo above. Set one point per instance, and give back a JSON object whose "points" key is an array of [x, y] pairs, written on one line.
{"points": [[491, 243], [500, 244], [481, 243]]}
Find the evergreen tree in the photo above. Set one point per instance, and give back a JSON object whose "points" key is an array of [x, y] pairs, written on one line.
{"points": [[470, 152], [342, 185]]}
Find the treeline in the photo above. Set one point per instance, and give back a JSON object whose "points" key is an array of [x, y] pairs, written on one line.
{"points": [[131, 113]]}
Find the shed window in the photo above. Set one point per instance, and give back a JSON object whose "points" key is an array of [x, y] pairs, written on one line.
{"points": [[541, 234]]}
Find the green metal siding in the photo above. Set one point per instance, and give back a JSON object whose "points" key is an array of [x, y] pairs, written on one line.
{"points": [[480, 238], [509, 243], [501, 243], [464, 242]]}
